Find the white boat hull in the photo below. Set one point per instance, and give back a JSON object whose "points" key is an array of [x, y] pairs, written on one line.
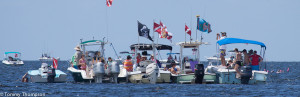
{"points": [[48, 59], [35, 76], [12, 62]]}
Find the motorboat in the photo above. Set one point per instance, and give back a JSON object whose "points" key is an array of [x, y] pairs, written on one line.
{"points": [[225, 75], [152, 71], [95, 71], [192, 71], [12, 58], [47, 57], [47, 74]]}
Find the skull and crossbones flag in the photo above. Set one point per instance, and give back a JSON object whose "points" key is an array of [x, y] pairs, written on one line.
{"points": [[144, 31]]}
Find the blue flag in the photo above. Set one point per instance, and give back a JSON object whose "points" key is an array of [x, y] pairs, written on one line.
{"points": [[203, 26]]}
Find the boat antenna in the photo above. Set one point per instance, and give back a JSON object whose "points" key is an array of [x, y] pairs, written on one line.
{"points": [[81, 42]]}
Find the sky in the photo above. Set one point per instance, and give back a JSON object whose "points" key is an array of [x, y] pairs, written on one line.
{"points": [[56, 26]]}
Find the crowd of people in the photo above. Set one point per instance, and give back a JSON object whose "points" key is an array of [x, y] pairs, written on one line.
{"points": [[242, 58]]}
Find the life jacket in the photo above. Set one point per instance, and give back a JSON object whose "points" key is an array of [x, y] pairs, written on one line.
{"points": [[128, 65], [255, 59]]}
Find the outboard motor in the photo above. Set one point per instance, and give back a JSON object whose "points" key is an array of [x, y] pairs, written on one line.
{"points": [[115, 70], [152, 71], [44, 70], [99, 72], [51, 75], [246, 74], [199, 73]]}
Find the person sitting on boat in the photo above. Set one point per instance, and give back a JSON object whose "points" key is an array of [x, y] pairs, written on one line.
{"points": [[173, 69], [230, 64], [152, 58], [82, 63], [238, 61], [128, 65], [97, 57], [170, 57], [144, 58], [246, 57], [255, 60], [77, 55]]}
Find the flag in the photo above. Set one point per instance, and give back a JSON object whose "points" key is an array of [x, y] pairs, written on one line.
{"points": [[144, 31], [16, 55], [162, 31], [109, 2], [203, 26], [188, 30], [156, 26], [54, 63]]}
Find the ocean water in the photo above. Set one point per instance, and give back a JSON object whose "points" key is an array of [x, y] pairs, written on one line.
{"points": [[278, 84]]}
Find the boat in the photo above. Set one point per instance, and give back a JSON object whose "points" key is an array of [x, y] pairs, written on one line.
{"points": [[47, 57], [192, 70], [226, 75], [163, 76], [12, 58], [97, 67], [47, 74]]}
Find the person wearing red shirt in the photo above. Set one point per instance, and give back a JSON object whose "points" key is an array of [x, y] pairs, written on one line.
{"points": [[255, 60]]}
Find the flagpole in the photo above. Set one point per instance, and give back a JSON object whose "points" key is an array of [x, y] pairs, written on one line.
{"points": [[197, 27], [185, 33]]}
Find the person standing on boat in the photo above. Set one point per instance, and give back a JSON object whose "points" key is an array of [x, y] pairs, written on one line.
{"points": [[246, 58], [108, 65], [255, 60], [77, 55], [128, 65], [238, 61], [138, 59], [222, 48]]}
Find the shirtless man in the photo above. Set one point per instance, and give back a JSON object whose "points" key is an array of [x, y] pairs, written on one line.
{"points": [[246, 57], [238, 60]]}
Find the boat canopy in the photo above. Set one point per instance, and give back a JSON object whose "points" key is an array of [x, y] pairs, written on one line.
{"points": [[143, 46], [193, 44], [237, 40], [12, 53], [173, 53], [91, 41]]}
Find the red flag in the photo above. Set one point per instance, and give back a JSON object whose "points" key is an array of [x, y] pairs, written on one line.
{"points": [[54, 63], [188, 30], [16, 55], [109, 2], [156, 26]]}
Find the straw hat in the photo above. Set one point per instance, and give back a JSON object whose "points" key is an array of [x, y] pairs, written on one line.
{"points": [[77, 48]]}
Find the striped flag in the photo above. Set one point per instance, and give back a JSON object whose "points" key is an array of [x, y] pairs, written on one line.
{"points": [[55, 63], [109, 2], [188, 30]]}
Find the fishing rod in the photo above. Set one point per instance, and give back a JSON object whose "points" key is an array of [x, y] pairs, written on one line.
{"points": [[114, 49]]}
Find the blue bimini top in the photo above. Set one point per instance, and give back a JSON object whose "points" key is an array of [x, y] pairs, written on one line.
{"points": [[237, 40]]}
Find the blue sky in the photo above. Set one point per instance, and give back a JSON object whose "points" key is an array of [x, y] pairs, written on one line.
{"points": [[55, 26]]}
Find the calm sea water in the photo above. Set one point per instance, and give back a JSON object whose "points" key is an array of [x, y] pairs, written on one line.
{"points": [[282, 84]]}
